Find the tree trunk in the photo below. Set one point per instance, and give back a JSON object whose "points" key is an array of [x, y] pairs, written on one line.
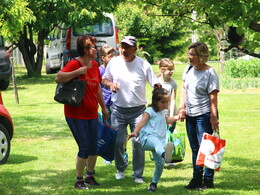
{"points": [[28, 57], [218, 35], [221, 53], [28, 50], [40, 53], [221, 61]]}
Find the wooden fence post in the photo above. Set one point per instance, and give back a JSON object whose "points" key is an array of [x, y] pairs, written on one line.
{"points": [[14, 81]]}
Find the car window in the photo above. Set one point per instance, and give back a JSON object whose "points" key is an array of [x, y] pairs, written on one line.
{"points": [[103, 30]]}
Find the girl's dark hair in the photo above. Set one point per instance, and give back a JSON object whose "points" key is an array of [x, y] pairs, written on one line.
{"points": [[84, 42], [158, 94]]}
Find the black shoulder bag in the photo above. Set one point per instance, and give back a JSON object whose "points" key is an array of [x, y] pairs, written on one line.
{"points": [[70, 93]]}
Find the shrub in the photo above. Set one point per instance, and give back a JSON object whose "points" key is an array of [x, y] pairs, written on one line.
{"points": [[241, 68], [239, 83]]}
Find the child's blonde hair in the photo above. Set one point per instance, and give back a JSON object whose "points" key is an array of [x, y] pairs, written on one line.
{"points": [[106, 50], [165, 62]]}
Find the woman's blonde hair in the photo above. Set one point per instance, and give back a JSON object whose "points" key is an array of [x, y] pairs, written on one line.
{"points": [[165, 62], [202, 51]]}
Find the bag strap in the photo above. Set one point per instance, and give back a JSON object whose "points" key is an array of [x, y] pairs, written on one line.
{"points": [[216, 133], [88, 72], [80, 76], [190, 67]]}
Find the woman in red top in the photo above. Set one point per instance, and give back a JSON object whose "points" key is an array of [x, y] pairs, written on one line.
{"points": [[83, 120]]}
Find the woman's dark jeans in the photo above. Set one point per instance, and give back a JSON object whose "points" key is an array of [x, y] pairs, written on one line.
{"points": [[196, 126], [85, 133]]}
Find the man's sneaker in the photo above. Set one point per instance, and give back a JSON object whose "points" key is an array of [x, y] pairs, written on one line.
{"points": [[193, 184], [91, 181], [152, 187], [168, 152], [81, 185], [120, 175], [106, 162], [139, 180], [170, 164], [208, 184]]}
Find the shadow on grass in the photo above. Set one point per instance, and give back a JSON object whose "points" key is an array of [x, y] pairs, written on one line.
{"points": [[51, 181], [62, 182], [34, 127], [243, 174], [22, 81], [53, 103], [19, 159], [44, 79], [179, 165]]}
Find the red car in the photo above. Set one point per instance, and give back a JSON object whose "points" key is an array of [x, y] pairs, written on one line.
{"points": [[6, 132], [6, 123]]}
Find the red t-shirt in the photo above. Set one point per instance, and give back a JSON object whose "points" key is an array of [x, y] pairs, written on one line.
{"points": [[89, 105]]}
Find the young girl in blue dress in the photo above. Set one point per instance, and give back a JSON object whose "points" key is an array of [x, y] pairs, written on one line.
{"points": [[152, 129]]}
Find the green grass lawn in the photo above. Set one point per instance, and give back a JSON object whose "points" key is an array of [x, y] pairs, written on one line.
{"points": [[42, 159]]}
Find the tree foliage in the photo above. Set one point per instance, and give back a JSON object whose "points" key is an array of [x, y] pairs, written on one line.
{"points": [[243, 15], [48, 15], [158, 36], [13, 16], [26, 23]]}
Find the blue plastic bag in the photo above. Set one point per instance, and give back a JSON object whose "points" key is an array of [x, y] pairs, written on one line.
{"points": [[106, 140]]}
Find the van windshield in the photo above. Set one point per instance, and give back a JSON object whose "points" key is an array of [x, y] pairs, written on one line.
{"points": [[98, 30]]}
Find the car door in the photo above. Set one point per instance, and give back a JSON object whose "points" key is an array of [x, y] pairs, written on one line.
{"points": [[54, 53]]}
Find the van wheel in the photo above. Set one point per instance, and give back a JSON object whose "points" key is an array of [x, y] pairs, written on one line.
{"points": [[5, 144], [48, 69], [61, 62]]}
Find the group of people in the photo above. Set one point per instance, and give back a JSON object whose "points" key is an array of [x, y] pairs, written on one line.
{"points": [[123, 102]]}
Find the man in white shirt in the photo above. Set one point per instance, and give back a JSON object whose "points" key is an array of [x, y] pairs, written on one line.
{"points": [[126, 76]]}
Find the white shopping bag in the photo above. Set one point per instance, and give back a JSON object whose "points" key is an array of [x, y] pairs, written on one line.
{"points": [[211, 152]]}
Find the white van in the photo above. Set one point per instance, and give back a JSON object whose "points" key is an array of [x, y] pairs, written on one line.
{"points": [[62, 47]]}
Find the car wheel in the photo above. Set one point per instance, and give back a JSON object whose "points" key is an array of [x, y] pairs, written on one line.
{"points": [[5, 144], [4, 84]]}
